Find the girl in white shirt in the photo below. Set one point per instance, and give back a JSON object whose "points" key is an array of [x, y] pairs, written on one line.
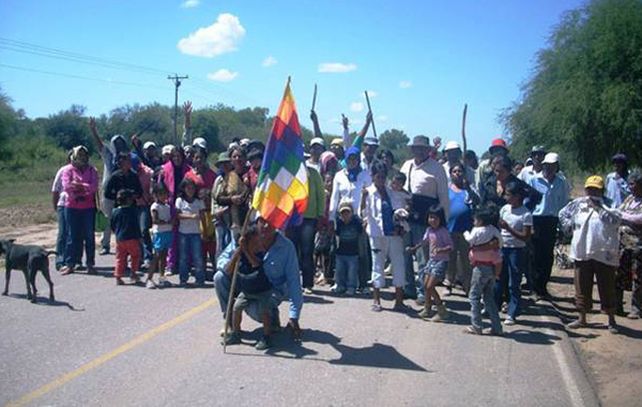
{"points": [[190, 213]]}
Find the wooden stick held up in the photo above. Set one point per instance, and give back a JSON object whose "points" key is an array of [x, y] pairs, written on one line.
{"points": [[463, 128], [314, 97], [374, 129]]}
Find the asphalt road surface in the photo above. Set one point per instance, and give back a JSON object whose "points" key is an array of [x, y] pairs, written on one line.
{"points": [[100, 344]]}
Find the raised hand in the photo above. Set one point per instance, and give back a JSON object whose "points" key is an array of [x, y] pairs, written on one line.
{"points": [[187, 110], [92, 125], [313, 116], [344, 121]]}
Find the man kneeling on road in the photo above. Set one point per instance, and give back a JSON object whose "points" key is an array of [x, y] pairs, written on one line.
{"points": [[281, 268]]}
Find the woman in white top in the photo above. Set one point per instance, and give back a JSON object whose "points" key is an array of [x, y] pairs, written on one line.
{"points": [[378, 206], [348, 184]]}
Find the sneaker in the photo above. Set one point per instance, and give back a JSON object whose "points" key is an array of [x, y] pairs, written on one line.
{"points": [[509, 321], [576, 324], [633, 315], [424, 313], [376, 307], [119, 281], [66, 270], [336, 289], [350, 291], [264, 343], [150, 284], [613, 329], [168, 272], [104, 251], [233, 338], [442, 314], [472, 330], [308, 291]]}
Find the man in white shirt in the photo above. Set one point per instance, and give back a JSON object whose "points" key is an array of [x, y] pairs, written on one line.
{"points": [[530, 171], [427, 183]]}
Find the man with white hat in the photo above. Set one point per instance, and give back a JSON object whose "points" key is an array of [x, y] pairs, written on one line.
{"points": [[530, 171], [454, 156], [555, 195], [317, 146], [200, 142], [370, 146], [428, 185]]}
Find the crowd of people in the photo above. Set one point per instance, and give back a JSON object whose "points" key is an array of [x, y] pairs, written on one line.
{"points": [[441, 218]]}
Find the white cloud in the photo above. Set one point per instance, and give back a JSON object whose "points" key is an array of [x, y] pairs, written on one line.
{"points": [[269, 61], [336, 67], [356, 106], [191, 3], [405, 84], [219, 38], [222, 75]]}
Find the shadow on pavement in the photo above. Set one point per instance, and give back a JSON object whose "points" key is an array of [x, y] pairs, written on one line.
{"points": [[44, 301], [377, 355]]}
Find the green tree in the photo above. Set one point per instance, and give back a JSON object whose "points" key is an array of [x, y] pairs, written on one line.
{"points": [[68, 128], [584, 98]]}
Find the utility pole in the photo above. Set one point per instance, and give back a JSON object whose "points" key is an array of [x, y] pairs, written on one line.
{"points": [[177, 84]]}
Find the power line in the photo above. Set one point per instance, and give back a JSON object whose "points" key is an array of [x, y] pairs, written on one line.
{"points": [[87, 78]]}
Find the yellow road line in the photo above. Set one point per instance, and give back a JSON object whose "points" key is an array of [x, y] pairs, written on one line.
{"points": [[66, 378]]}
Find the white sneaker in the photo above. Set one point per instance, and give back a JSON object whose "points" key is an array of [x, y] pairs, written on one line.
{"points": [[150, 284], [509, 321]]}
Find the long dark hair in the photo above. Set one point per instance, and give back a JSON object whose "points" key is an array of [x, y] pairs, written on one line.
{"points": [[438, 211]]}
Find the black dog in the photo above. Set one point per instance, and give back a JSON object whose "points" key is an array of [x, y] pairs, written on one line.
{"points": [[29, 259]]}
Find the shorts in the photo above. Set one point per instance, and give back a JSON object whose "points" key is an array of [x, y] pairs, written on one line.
{"points": [[437, 269], [262, 299], [162, 240]]}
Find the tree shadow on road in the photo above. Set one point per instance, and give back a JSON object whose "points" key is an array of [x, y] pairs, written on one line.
{"points": [[377, 355]]}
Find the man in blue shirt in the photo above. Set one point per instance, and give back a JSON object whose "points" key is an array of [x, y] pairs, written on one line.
{"points": [[281, 268], [555, 195]]}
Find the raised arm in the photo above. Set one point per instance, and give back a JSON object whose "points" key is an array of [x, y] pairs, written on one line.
{"points": [[187, 133], [358, 141], [94, 133], [315, 124]]}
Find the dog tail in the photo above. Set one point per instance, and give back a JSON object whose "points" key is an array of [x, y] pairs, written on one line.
{"points": [[51, 253]]}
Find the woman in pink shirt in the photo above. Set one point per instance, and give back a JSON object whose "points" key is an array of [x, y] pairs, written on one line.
{"points": [[80, 183]]}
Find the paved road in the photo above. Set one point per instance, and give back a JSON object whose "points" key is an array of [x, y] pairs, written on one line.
{"points": [[132, 346]]}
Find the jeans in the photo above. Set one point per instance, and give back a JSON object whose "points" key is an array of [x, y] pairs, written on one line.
{"points": [[223, 237], [545, 233], [81, 224], [107, 209], [61, 240], [347, 272], [190, 247], [145, 222], [512, 269], [303, 238], [414, 287], [222, 286], [481, 287]]}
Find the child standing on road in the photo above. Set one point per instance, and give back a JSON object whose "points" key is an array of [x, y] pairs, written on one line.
{"points": [[161, 236], [516, 222], [190, 213], [349, 228], [124, 224], [439, 243], [484, 240], [254, 287]]}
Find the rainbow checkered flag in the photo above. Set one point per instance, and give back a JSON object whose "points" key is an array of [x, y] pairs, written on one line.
{"points": [[281, 194]]}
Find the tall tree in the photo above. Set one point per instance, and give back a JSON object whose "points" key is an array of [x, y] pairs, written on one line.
{"points": [[584, 98]]}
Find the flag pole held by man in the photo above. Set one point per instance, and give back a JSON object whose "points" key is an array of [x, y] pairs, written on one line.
{"points": [[280, 199]]}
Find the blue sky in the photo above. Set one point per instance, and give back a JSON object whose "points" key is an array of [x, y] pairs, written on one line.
{"points": [[423, 60]]}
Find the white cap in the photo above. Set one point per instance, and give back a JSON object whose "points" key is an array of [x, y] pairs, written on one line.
{"points": [[149, 144], [244, 141], [200, 142], [551, 158], [168, 148], [452, 145], [317, 140]]}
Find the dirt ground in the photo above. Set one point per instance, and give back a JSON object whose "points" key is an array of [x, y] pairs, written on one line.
{"points": [[612, 362]]}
